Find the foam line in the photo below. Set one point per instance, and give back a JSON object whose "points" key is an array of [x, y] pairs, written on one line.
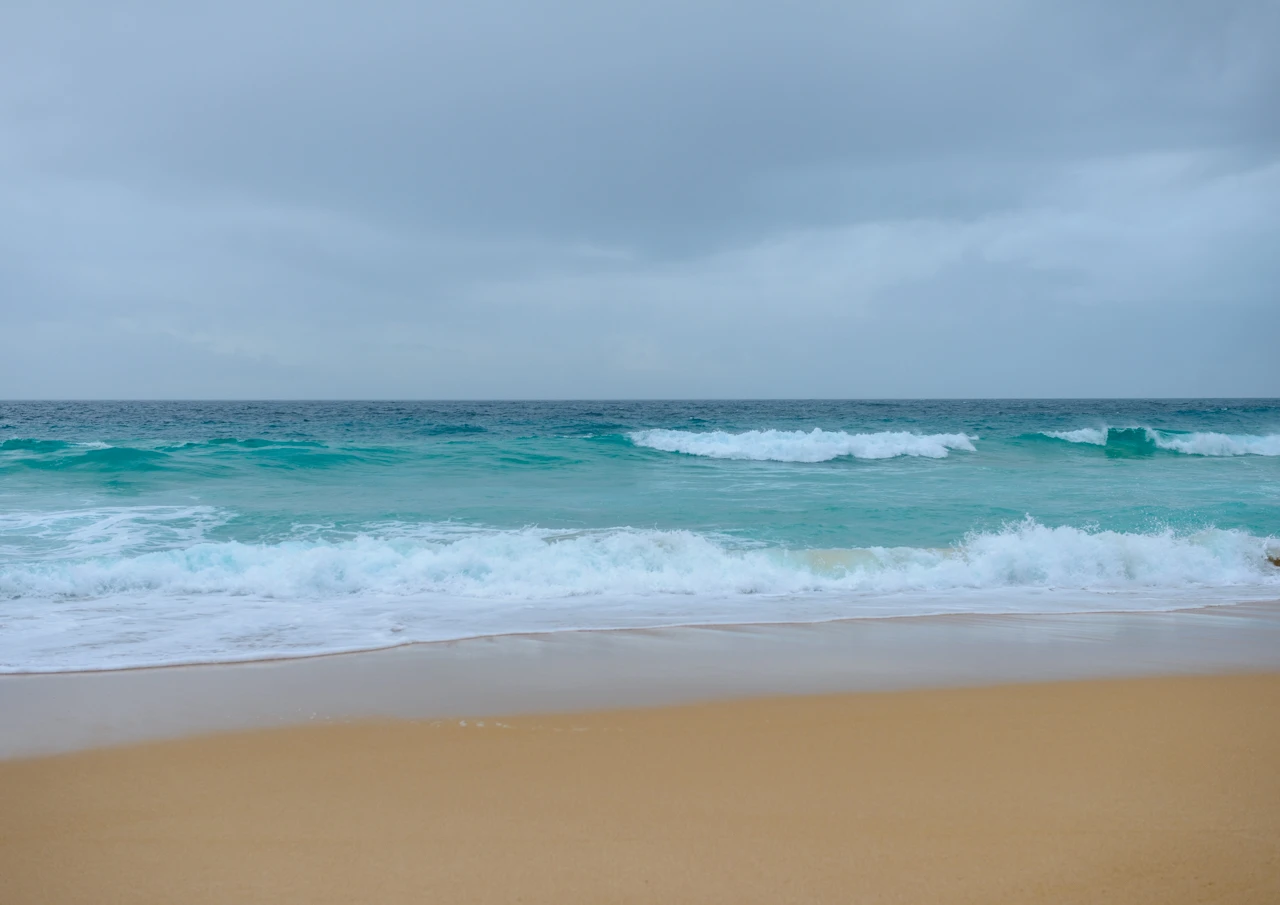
{"points": [[816, 445]]}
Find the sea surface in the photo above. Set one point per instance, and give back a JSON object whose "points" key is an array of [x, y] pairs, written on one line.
{"points": [[148, 533]]}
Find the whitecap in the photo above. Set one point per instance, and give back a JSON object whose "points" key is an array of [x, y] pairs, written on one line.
{"points": [[1210, 443], [801, 446], [1095, 436], [1192, 443]]}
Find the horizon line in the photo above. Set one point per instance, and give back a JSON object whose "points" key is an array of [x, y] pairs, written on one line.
{"points": [[621, 399]]}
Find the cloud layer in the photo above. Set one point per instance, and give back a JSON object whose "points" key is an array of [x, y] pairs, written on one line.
{"points": [[658, 199]]}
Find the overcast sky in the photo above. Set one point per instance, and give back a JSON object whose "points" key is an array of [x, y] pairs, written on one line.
{"points": [[639, 199]]}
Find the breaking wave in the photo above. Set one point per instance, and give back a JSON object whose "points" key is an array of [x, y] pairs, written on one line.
{"points": [[1215, 444], [1095, 436], [1198, 443], [220, 601], [540, 563], [816, 445]]}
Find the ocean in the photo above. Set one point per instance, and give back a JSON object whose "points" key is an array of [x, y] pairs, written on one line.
{"points": [[148, 533]]}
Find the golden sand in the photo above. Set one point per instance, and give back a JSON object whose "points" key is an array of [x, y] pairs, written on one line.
{"points": [[1136, 791]]}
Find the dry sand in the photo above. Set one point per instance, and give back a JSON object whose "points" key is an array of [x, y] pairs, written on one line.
{"points": [[1130, 791]]}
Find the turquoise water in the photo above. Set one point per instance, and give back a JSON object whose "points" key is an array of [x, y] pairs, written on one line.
{"points": [[141, 533]]}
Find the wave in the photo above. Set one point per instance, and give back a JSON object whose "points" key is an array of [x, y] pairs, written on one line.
{"points": [[61, 456], [106, 459], [212, 602], [801, 446], [31, 444], [247, 443], [119, 530], [532, 564], [1139, 440], [1215, 444], [1095, 436]]}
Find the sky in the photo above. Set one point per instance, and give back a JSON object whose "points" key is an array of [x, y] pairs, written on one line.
{"points": [[659, 199]]}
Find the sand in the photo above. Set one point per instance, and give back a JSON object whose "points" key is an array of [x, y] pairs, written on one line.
{"points": [[1127, 791], [585, 670]]}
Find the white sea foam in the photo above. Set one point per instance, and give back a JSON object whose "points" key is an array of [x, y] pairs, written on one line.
{"points": [[79, 533], [534, 564], [1199, 443], [1215, 444], [1096, 436], [224, 601], [816, 445]]}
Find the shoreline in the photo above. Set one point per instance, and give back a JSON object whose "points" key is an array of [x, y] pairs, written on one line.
{"points": [[182, 634], [621, 668], [657, 627]]}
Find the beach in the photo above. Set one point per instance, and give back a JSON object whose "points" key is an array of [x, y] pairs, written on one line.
{"points": [[1140, 790], [1123, 758], [818, 651]]}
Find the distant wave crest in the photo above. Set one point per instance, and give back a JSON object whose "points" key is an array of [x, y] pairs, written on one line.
{"points": [[1198, 443], [816, 445], [1215, 444], [1095, 436]]}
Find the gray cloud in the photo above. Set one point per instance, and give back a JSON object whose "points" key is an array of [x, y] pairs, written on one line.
{"points": [[660, 199]]}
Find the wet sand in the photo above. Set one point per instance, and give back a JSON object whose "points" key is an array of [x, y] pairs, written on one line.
{"points": [[575, 671], [1157, 790]]}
